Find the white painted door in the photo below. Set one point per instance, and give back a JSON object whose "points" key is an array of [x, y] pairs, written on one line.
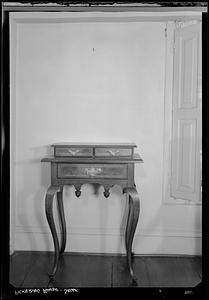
{"points": [[186, 142]]}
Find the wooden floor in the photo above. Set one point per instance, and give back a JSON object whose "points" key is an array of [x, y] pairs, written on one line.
{"points": [[29, 269]]}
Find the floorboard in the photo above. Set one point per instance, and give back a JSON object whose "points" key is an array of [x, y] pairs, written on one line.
{"points": [[121, 276], [83, 271], [197, 262], [37, 275], [188, 272], [163, 271], [30, 269], [20, 265]]}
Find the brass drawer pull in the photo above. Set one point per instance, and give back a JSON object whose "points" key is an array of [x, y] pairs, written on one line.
{"points": [[73, 152], [113, 152], [93, 171]]}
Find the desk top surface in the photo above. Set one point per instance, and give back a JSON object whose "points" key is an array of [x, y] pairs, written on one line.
{"points": [[98, 145], [135, 159]]}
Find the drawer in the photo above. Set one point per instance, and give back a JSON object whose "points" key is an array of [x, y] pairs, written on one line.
{"points": [[84, 152], [113, 152], [117, 171]]}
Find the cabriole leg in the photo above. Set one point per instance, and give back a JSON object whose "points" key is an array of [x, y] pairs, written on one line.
{"points": [[128, 224], [62, 219], [133, 216], [52, 190]]}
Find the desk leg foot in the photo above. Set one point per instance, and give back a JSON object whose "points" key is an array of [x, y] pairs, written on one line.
{"points": [[133, 216], [62, 220], [52, 190]]}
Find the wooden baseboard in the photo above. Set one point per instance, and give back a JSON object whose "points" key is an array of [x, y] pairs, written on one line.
{"points": [[17, 252]]}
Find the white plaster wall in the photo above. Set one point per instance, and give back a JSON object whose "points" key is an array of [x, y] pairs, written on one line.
{"points": [[94, 82]]}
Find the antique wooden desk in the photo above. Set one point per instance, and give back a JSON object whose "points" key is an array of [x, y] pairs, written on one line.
{"points": [[104, 164]]}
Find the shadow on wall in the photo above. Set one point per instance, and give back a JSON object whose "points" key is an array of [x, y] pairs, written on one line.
{"points": [[35, 180], [104, 210], [93, 202]]}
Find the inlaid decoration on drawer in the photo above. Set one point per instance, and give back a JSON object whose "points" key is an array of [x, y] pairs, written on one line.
{"points": [[73, 151], [113, 152], [95, 171]]}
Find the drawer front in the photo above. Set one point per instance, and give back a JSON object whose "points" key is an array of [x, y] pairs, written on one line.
{"points": [[84, 152], [113, 152], [92, 171]]}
